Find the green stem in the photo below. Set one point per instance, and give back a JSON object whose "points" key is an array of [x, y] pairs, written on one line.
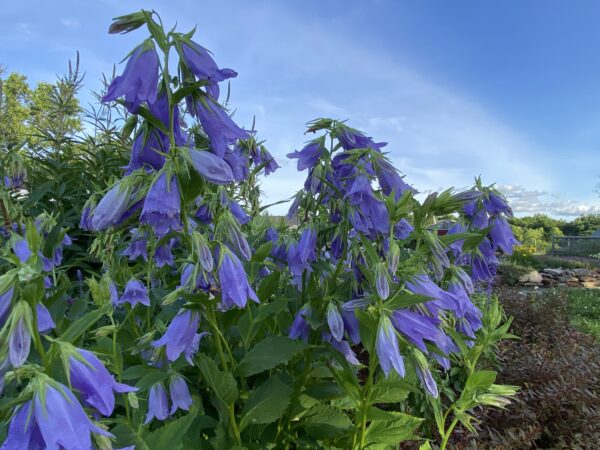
{"points": [[37, 341], [448, 434], [361, 428]]}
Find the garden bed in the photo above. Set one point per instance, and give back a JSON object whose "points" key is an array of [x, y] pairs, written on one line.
{"points": [[558, 368]]}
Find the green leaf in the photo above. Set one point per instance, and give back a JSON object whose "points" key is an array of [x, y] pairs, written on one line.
{"points": [[267, 403], [222, 383], [391, 390], [268, 353], [268, 285], [81, 325], [267, 310], [404, 300], [171, 435], [325, 422], [393, 431], [262, 252]]}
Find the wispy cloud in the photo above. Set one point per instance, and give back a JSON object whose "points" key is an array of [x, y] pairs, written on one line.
{"points": [[70, 22]]}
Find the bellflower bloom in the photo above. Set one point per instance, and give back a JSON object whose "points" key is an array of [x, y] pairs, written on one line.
{"points": [[158, 403], [217, 124], [5, 303], [180, 334], [180, 394], [387, 348], [424, 375], [238, 162], [147, 150], [203, 214], [204, 67], [382, 284], [21, 249], [502, 235], [44, 319], [235, 289], [300, 327], [162, 207], [114, 293], [139, 81], [95, 383], [351, 322], [61, 419], [351, 139], [402, 229], [135, 292], [163, 256], [137, 246], [335, 322], [110, 209], [270, 163], [23, 431], [495, 204], [417, 328], [19, 343], [422, 285], [238, 212], [343, 347], [389, 180], [211, 167], [309, 155], [86, 219]]}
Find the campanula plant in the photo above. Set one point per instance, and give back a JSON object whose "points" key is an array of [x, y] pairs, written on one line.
{"points": [[201, 322]]}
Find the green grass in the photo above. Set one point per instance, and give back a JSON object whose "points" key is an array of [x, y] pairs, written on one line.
{"points": [[584, 310]]}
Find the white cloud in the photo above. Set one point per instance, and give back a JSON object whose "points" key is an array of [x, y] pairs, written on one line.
{"points": [[70, 22], [526, 201]]}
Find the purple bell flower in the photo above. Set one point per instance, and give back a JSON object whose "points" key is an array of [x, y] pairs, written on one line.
{"points": [[351, 139], [300, 327], [86, 219], [149, 147], [387, 348], [137, 247], [382, 284], [163, 256], [422, 285], [180, 394], [217, 124], [309, 155], [61, 419], [417, 328], [111, 208], [238, 212], [158, 403], [179, 335], [162, 207], [21, 250], [502, 235], [402, 229], [389, 180], [19, 343], [424, 375], [139, 81], [343, 347], [94, 382], [235, 289], [351, 322], [270, 163], [114, 293], [44, 319], [204, 67], [135, 292], [238, 162], [335, 322], [494, 204], [211, 167], [5, 303], [23, 432]]}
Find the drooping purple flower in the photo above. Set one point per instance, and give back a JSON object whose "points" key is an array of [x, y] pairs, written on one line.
{"points": [[5, 303], [238, 241], [235, 289], [203, 214], [294, 207], [86, 219], [149, 147], [309, 155], [21, 249], [44, 319], [238, 212], [180, 394], [422, 285], [158, 403], [300, 327], [417, 328], [382, 284], [351, 322], [163, 256], [307, 245], [238, 162], [137, 246], [502, 235], [424, 375], [387, 348], [139, 81], [61, 420], [351, 139], [204, 67], [335, 322], [389, 179], [402, 229], [162, 207], [180, 334], [111, 208], [217, 124], [270, 163], [343, 347], [135, 292], [494, 204], [19, 343], [94, 382], [23, 431], [211, 167], [114, 293]]}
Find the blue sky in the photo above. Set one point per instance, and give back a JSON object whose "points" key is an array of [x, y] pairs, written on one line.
{"points": [[506, 90]]}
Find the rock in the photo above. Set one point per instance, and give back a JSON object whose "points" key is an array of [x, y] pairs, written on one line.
{"points": [[591, 284], [587, 279], [584, 273], [567, 279], [553, 272], [574, 284], [531, 277], [549, 281]]}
